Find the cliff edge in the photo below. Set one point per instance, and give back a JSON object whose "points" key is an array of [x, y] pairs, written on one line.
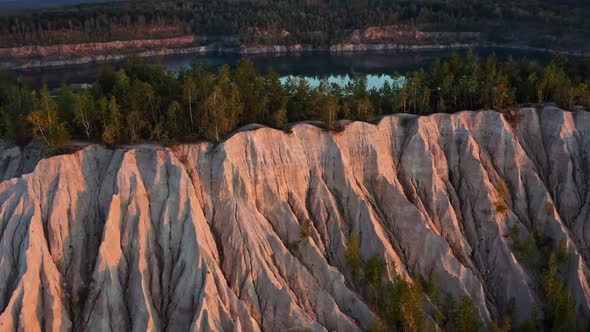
{"points": [[201, 237]]}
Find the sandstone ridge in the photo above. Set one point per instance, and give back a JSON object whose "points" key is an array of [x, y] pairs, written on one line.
{"points": [[201, 237]]}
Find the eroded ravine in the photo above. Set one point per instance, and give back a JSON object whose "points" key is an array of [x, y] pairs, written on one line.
{"points": [[208, 237]]}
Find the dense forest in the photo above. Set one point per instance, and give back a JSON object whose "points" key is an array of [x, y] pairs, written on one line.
{"points": [[144, 102], [308, 21]]}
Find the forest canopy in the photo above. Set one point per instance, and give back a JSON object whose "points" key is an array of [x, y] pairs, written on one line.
{"points": [[308, 21], [145, 102]]}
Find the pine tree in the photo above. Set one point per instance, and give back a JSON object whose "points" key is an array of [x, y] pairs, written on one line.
{"points": [[171, 124], [122, 85], [251, 90], [468, 318], [360, 105], [375, 269], [65, 103], [353, 255], [7, 126], [274, 91], [559, 310], [408, 297], [19, 103]]}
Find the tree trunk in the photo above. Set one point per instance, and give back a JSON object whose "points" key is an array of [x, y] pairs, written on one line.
{"points": [[43, 135], [190, 109]]}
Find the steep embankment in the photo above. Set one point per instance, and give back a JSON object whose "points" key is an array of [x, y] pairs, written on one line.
{"points": [[197, 237], [395, 37], [15, 161]]}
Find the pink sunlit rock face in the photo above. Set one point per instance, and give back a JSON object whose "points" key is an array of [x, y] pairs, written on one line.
{"points": [[207, 237]]}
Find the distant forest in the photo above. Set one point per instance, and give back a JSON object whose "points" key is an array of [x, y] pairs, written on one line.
{"points": [[144, 102], [16, 5], [308, 21]]}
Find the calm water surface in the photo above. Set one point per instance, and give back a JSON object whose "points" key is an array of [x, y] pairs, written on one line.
{"points": [[379, 67]]}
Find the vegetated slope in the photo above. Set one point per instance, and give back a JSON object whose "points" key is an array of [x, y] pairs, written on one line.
{"points": [[312, 22], [207, 236]]}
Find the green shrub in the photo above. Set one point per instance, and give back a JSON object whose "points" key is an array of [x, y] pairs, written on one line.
{"points": [[293, 247], [353, 255], [533, 251], [559, 307], [514, 234], [468, 318], [562, 255], [378, 326], [461, 316], [530, 325], [407, 306], [501, 207], [375, 269], [433, 289], [504, 326], [500, 204], [305, 229], [398, 304], [538, 252], [501, 190]]}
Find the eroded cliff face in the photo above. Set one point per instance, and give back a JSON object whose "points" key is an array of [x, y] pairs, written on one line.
{"points": [[15, 161], [201, 237]]}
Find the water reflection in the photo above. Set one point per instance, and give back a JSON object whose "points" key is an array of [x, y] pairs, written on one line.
{"points": [[337, 68], [373, 81]]}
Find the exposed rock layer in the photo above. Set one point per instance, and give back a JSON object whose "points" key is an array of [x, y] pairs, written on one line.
{"points": [[196, 237], [15, 161]]}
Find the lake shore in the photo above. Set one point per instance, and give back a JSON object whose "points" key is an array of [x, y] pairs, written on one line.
{"points": [[344, 48]]}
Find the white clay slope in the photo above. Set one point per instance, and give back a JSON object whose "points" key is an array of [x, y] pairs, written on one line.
{"points": [[208, 237]]}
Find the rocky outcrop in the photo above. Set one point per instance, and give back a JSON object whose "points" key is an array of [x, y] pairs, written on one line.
{"points": [[371, 39], [15, 161], [208, 236], [69, 50]]}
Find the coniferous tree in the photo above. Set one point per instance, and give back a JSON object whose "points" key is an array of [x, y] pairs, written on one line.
{"points": [[467, 317], [122, 85], [359, 103], [353, 255], [65, 103], [559, 301], [172, 116], [251, 90]]}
